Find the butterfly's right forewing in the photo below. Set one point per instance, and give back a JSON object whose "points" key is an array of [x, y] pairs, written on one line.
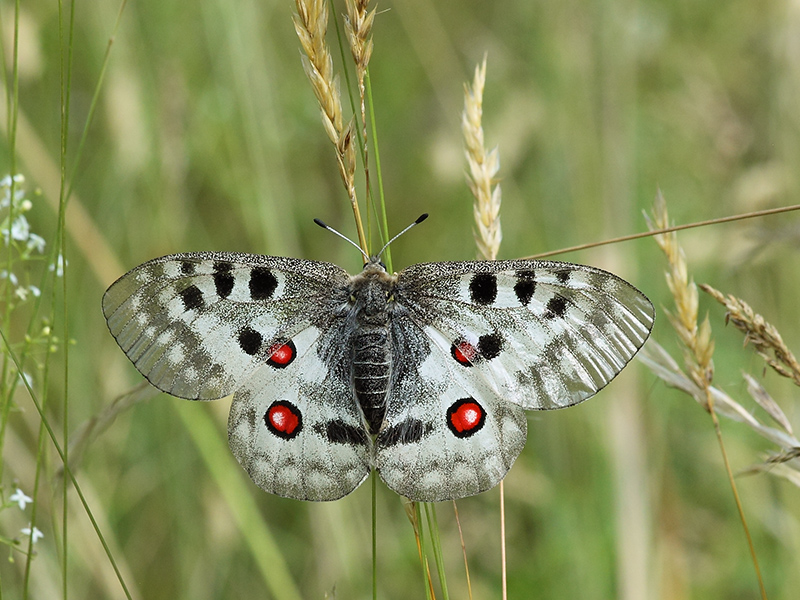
{"points": [[196, 324]]}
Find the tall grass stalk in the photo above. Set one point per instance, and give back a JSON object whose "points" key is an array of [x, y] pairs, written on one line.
{"points": [[698, 346], [483, 167]]}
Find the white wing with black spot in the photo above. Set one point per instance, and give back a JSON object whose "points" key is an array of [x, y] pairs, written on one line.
{"points": [[545, 334], [487, 340], [447, 433], [296, 428], [195, 325]]}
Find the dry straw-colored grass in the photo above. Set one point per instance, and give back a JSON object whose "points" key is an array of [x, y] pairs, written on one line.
{"points": [[697, 342], [698, 346], [311, 25], [764, 337], [358, 24], [698, 352], [483, 169]]}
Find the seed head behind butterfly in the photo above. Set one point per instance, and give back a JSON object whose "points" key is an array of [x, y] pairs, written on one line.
{"points": [[423, 375]]}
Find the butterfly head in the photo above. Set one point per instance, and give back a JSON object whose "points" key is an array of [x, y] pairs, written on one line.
{"points": [[373, 263]]}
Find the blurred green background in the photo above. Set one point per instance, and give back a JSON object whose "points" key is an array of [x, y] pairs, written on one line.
{"points": [[207, 137]]}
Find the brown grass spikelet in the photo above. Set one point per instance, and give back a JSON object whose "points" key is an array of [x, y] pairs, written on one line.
{"points": [[483, 169], [763, 336], [696, 339], [358, 24], [311, 25]]}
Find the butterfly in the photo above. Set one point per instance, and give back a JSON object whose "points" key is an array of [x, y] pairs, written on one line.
{"points": [[422, 375]]}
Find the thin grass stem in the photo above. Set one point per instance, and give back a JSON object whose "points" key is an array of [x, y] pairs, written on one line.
{"points": [[736, 497], [503, 561], [94, 101], [663, 230], [436, 544], [66, 87], [387, 255], [463, 549], [374, 494], [67, 470]]}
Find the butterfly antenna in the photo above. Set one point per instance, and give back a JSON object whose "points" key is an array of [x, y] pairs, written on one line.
{"points": [[344, 237], [419, 220]]}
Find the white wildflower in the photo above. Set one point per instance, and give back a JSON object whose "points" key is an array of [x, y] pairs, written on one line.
{"points": [[20, 229], [21, 499], [12, 278], [34, 533], [59, 266], [36, 242]]}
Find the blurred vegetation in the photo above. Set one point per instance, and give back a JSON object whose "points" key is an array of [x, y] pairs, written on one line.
{"points": [[207, 137]]}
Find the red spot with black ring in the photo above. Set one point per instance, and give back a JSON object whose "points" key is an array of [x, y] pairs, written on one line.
{"points": [[284, 419], [465, 353], [465, 417], [282, 354]]}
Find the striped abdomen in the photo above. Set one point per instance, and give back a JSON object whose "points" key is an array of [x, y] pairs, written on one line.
{"points": [[371, 370]]}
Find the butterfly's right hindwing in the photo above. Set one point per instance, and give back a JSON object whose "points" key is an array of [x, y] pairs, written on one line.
{"points": [[296, 428], [195, 325]]}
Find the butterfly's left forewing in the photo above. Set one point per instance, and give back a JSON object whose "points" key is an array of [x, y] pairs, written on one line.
{"points": [[544, 334]]}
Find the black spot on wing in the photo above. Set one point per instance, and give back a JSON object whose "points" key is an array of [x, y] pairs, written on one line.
{"points": [[405, 432], [262, 283], [187, 267], [339, 432], [223, 282], [525, 286], [250, 341], [223, 278], [563, 276], [483, 288], [490, 345], [192, 298], [556, 307]]}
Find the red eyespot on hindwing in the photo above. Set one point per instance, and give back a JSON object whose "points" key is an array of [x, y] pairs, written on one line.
{"points": [[465, 353], [281, 354], [465, 417], [284, 419]]}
